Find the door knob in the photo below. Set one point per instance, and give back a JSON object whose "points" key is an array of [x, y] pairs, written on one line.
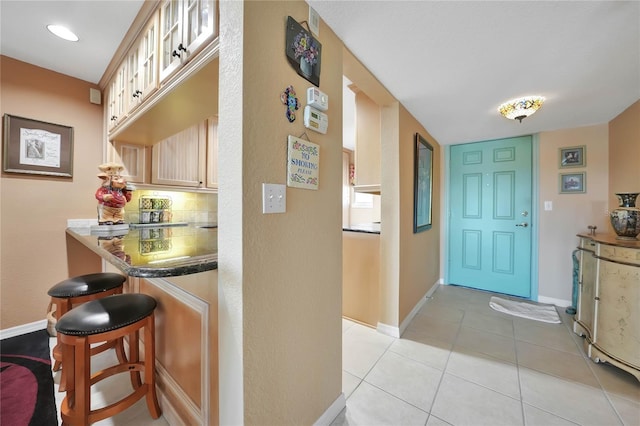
{"points": [[523, 224]]}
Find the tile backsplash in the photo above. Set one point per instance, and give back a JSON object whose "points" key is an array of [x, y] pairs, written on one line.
{"points": [[185, 206]]}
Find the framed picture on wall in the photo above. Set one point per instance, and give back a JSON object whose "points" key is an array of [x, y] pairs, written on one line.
{"points": [[36, 147], [573, 183], [574, 156], [422, 184]]}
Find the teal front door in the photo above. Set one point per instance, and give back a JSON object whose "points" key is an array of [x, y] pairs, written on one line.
{"points": [[490, 216]]}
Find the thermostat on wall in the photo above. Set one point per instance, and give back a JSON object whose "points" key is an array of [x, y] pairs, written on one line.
{"points": [[317, 99], [315, 120]]}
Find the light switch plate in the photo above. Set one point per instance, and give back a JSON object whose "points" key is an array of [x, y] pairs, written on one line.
{"points": [[548, 205], [274, 198]]}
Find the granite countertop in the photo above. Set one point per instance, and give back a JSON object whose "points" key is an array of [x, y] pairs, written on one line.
{"points": [[367, 228], [151, 252]]}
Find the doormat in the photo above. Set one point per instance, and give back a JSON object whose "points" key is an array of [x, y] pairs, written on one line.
{"points": [[544, 313]]}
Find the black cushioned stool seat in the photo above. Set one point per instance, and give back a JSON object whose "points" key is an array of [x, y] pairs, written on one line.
{"points": [[107, 319], [85, 285], [81, 289]]}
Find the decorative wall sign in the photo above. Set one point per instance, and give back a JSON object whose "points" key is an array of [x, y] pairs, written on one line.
{"points": [[303, 51], [36, 147], [303, 163], [288, 98]]}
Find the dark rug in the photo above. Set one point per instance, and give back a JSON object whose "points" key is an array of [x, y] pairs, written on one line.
{"points": [[26, 381]]}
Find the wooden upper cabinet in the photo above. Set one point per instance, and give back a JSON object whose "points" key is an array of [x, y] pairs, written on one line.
{"points": [[175, 33], [368, 141], [117, 98], [134, 160], [186, 26], [142, 65], [180, 159]]}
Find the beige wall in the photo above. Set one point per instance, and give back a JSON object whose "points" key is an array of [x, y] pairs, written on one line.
{"points": [[419, 253], [34, 210], [280, 274], [409, 263], [571, 213], [624, 154]]}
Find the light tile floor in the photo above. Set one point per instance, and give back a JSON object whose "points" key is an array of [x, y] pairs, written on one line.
{"points": [[461, 363], [458, 363]]}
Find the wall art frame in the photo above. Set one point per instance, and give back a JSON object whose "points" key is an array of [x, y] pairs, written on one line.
{"points": [[573, 156], [303, 51], [37, 147], [422, 184], [573, 183]]}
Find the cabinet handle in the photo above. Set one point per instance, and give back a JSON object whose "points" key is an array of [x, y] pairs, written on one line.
{"points": [[114, 117], [137, 93], [179, 51]]}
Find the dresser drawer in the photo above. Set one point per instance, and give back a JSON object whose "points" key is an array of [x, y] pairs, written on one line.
{"points": [[619, 254], [587, 244]]}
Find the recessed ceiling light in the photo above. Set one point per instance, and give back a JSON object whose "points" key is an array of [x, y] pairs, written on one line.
{"points": [[62, 32]]}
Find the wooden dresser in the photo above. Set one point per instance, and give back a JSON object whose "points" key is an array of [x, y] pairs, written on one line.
{"points": [[608, 311]]}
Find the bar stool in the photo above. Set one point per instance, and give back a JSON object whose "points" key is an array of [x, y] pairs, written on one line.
{"points": [[107, 319], [81, 289]]}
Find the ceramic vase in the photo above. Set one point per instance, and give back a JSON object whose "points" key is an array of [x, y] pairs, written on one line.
{"points": [[305, 67], [626, 218]]}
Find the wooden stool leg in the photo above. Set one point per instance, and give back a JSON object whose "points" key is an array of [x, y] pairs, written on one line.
{"points": [[82, 380], [67, 376], [134, 358], [149, 367], [62, 307], [120, 353]]}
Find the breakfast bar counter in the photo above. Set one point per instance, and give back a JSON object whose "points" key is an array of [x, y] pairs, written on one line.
{"points": [[177, 266], [152, 252]]}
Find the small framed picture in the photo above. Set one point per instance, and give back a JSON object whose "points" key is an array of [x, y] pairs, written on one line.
{"points": [[574, 156], [573, 183]]}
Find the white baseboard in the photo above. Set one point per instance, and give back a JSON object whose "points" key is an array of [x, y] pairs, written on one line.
{"points": [[396, 332], [552, 301], [434, 287], [388, 330], [23, 329], [332, 412], [168, 410]]}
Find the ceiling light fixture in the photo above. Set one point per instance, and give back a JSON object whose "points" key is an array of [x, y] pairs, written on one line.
{"points": [[62, 32], [517, 109]]}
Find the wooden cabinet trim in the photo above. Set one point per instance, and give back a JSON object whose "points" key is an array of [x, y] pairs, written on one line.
{"points": [[197, 411]]}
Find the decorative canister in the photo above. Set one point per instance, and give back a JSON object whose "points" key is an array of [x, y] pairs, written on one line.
{"points": [[626, 218]]}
